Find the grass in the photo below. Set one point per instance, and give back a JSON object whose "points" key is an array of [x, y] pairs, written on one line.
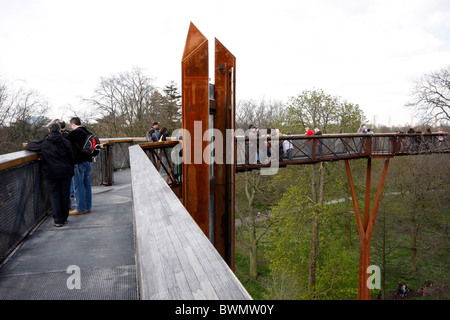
{"points": [[255, 287]]}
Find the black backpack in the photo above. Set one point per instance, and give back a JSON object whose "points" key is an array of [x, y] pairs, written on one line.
{"points": [[92, 145]]}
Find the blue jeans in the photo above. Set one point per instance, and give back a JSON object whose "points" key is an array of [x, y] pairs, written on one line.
{"points": [[72, 192], [82, 184]]}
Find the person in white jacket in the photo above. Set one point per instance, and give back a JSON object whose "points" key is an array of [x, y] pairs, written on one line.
{"points": [[287, 148]]}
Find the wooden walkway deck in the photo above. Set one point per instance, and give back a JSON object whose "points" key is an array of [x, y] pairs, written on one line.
{"points": [[175, 260]]}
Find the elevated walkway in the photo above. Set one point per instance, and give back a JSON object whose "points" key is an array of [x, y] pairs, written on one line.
{"points": [[139, 242], [100, 243]]}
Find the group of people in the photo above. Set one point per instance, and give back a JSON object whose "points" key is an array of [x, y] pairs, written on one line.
{"points": [[402, 289], [66, 167], [364, 130], [286, 147], [425, 289], [157, 135]]}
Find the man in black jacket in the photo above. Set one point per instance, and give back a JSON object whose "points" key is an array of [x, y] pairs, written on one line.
{"points": [[57, 169], [83, 167]]}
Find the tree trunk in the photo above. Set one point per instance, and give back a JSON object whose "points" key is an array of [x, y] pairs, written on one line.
{"points": [[313, 254], [318, 197], [414, 228], [250, 191], [413, 253], [348, 219], [383, 270], [253, 271]]}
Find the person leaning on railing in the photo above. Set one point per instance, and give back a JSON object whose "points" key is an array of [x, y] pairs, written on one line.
{"points": [[57, 168]]}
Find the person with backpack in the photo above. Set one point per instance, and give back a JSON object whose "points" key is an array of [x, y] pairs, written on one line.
{"points": [[83, 167], [57, 169]]}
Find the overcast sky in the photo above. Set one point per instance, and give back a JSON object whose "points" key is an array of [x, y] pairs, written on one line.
{"points": [[366, 52]]}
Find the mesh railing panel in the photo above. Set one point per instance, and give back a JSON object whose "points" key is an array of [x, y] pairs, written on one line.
{"points": [[24, 201]]}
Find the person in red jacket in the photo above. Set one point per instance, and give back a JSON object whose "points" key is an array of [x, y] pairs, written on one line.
{"points": [[309, 147], [309, 132]]}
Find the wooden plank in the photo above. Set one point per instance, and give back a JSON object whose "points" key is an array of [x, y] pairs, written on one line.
{"points": [[175, 259], [220, 273], [13, 159]]}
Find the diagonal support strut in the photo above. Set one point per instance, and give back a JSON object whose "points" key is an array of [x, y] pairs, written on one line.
{"points": [[365, 226]]}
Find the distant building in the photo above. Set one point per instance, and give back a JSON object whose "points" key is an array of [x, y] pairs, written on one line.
{"points": [[375, 120]]}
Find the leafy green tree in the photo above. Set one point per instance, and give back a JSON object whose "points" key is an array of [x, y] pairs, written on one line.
{"points": [[295, 220], [411, 238], [316, 109]]}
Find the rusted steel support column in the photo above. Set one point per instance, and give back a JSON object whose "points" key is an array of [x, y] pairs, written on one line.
{"points": [[224, 173], [195, 114], [367, 193], [364, 263], [365, 227]]}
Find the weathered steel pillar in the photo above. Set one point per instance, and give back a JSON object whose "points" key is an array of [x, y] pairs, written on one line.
{"points": [[224, 173], [365, 227], [208, 187], [195, 114]]}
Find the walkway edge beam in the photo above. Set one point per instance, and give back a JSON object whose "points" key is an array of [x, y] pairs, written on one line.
{"points": [[175, 260]]}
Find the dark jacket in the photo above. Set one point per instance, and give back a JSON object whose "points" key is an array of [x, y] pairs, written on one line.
{"points": [[57, 156], [78, 138]]}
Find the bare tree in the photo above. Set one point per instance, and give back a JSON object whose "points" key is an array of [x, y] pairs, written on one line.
{"points": [[259, 113], [22, 116], [251, 220], [431, 97], [129, 103], [124, 101]]}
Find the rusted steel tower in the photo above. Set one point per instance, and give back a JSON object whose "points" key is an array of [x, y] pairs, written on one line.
{"points": [[208, 184], [195, 117]]}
